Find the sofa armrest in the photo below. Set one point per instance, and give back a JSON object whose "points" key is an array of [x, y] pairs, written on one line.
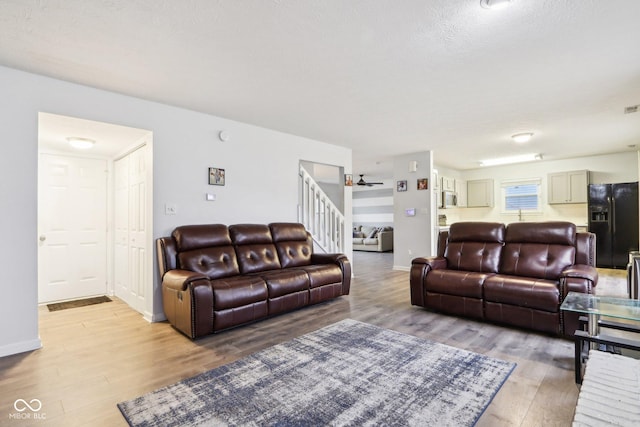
{"points": [[434, 263], [576, 278], [385, 241], [420, 267], [341, 261], [581, 271], [179, 279]]}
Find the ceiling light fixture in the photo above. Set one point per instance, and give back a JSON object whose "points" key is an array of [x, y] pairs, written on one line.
{"points": [[81, 143], [495, 4], [523, 137], [513, 159]]}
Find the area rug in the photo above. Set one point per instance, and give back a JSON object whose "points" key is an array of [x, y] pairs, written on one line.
{"points": [[77, 303], [348, 373]]}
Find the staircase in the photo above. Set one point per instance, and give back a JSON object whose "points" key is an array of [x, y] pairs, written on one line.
{"points": [[320, 215]]}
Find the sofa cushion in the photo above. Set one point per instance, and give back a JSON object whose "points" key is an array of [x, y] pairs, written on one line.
{"points": [[536, 260], [549, 233], [238, 291], [283, 282], [481, 257], [254, 248], [369, 231], [539, 249], [521, 291], [215, 262], [370, 241], [475, 246], [477, 232], [189, 237], [358, 241], [293, 244], [323, 274], [453, 282]]}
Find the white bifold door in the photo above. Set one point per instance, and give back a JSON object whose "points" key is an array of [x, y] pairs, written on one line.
{"points": [[72, 227], [131, 255]]}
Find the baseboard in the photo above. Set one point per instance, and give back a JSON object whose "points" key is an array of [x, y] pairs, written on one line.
{"points": [[401, 268], [154, 317], [20, 347]]}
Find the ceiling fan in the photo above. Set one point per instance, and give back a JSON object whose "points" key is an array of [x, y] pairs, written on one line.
{"points": [[368, 184]]}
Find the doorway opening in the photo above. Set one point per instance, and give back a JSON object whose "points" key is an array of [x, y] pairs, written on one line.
{"points": [[94, 212]]}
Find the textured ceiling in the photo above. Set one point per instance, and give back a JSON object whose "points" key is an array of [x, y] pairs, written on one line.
{"points": [[384, 77]]}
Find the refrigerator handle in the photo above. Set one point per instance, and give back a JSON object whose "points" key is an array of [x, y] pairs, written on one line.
{"points": [[612, 215]]}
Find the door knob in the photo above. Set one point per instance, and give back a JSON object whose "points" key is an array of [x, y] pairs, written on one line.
{"points": [[43, 237]]}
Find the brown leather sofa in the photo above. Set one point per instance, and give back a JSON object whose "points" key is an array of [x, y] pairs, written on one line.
{"points": [[215, 276], [517, 274]]}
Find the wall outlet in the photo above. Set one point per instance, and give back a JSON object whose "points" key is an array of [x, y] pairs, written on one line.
{"points": [[170, 209]]}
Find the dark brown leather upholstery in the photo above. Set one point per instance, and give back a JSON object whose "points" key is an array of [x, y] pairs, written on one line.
{"points": [[517, 274], [216, 277]]}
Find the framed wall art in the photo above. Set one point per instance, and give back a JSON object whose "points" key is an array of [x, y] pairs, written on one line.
{"points": [[348, 180], [216, 176], [401, 185], [423, 184]]}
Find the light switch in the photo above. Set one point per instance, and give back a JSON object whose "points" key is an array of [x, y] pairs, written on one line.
{"points": [[170, 209], [211, 197]]}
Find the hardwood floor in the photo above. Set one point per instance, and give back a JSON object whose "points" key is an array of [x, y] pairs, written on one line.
{"points": [[94, 357]]}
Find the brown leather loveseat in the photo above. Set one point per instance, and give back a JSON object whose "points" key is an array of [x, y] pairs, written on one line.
{"points": [[215, 276], [517, 274]]}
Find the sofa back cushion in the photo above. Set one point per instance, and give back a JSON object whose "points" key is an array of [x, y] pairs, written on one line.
{"points": [[206, 249], [475, 246], [254, 247], [541, 250], [293, 244]]}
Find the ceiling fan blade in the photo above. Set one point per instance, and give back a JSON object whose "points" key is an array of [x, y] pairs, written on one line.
{"points": [[361, 181]]}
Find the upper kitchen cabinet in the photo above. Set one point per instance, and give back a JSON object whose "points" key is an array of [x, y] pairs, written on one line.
{"points": [[568, 187], [461, 193], [448, 184], [480, 193]]}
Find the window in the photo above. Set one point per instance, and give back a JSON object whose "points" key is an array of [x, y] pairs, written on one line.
{"points": [[521, 196]]}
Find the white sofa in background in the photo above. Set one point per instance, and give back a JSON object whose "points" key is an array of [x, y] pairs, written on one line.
{"points": [[373, 239]]}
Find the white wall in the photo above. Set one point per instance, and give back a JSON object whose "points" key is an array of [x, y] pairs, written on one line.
{"points": [[373, 205], [609, 168], [413, 236], [261, 185]]}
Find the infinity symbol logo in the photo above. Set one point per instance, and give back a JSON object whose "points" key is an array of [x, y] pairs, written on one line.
{"points": [[21, 405]]}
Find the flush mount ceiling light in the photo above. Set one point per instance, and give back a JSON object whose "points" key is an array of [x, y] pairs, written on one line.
{"points": [[81, 143], [522, 137], [494, 4], [513, 159]]}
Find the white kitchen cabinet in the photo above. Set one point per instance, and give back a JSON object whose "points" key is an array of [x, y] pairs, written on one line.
{"points": [[448, 184], [568, 187], [480, 193], [461, 192]]}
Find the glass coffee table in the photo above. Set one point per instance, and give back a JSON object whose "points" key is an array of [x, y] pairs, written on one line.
{"points": [[595, 336]]}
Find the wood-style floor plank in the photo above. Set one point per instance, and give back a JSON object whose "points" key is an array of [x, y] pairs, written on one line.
{"points": [[94, 357]]}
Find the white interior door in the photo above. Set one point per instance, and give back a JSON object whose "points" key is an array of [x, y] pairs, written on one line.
{"points": [[121, 225], [72, 222], [131, 258]]}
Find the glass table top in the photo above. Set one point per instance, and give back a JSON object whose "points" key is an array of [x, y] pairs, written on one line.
{"points": [[622, 308]]}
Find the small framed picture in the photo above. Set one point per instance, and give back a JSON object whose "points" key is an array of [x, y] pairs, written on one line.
{"points": [[423, 184], [401, 185], [348, 180], [216, 176]]}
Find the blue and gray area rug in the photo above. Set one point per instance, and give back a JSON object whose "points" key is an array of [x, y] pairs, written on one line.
{"points": [[346, 374]]}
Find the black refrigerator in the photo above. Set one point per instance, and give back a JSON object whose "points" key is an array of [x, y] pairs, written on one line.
{"points": [[613, 217]]}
